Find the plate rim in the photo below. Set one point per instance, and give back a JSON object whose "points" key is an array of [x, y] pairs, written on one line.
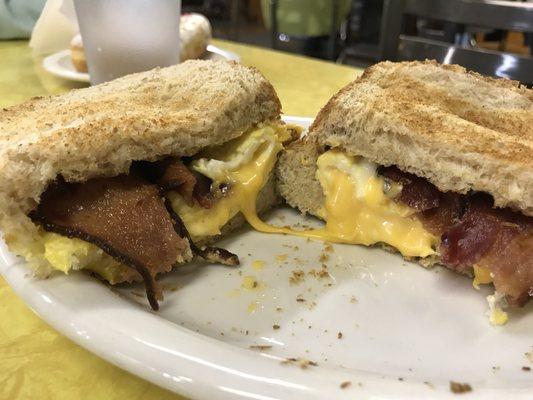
{"points": [[51, 65], [220, 380]]}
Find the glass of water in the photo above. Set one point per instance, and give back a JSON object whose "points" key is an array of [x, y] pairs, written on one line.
{"points": [[125, 36]]}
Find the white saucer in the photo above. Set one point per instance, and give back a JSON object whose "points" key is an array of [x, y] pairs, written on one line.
{"points": [[60, 64]]}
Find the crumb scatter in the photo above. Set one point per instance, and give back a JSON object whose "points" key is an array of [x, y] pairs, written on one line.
{"points": [[260, 347], [429, 384], [303, 363], [281, 258], [296, 277], [249, 283], [346, 384], [258, 265], [457, 387], [529, 355], [328, 248], [324, 257]]}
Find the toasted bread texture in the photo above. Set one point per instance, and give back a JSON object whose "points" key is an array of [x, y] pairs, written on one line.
{"points": [[100, 130], [458, 129], [296, 181]]}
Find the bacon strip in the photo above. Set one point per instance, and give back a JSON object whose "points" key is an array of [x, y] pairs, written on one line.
{"points": [[416, 192], [465, 242], [172, 174], [511, 263], [125, 216], [440, 219], [473, 232], [497, 239], [202, 191]]}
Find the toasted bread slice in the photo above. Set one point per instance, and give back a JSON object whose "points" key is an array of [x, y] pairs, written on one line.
{"points": [[99, 131], [458, 129], [296, 176]]}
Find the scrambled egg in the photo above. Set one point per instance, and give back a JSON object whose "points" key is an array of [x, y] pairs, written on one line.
{"points": [[65, 254], [497, 303], [245, 164]]}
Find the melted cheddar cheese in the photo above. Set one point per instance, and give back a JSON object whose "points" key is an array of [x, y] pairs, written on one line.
{"points": [[245, 164], [358, 210]]}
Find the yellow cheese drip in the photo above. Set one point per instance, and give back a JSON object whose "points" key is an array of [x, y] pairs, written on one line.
{"points": [[245, 180], [358, 211]]}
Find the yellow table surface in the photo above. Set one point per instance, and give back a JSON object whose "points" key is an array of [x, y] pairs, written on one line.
{"points": [[36, 362]]}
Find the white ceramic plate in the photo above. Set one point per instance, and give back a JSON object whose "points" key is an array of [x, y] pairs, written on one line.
{"points": [[406, 331], [60, 64]]}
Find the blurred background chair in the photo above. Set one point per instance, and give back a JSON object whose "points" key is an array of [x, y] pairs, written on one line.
{"points": [[448, 31]]}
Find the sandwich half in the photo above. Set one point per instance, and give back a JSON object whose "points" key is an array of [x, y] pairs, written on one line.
{"points": [[132, 177], [430, 161]]}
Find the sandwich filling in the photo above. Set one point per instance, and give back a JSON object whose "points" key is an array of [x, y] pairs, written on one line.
{"points": [[359, 208], [134, 226], [238, 171]]}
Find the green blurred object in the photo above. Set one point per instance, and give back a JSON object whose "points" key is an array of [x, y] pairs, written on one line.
{"points": [[305, 17], [17, 17]]}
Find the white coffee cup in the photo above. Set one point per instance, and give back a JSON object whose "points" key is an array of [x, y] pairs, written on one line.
{"points": [[125, 36]]}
